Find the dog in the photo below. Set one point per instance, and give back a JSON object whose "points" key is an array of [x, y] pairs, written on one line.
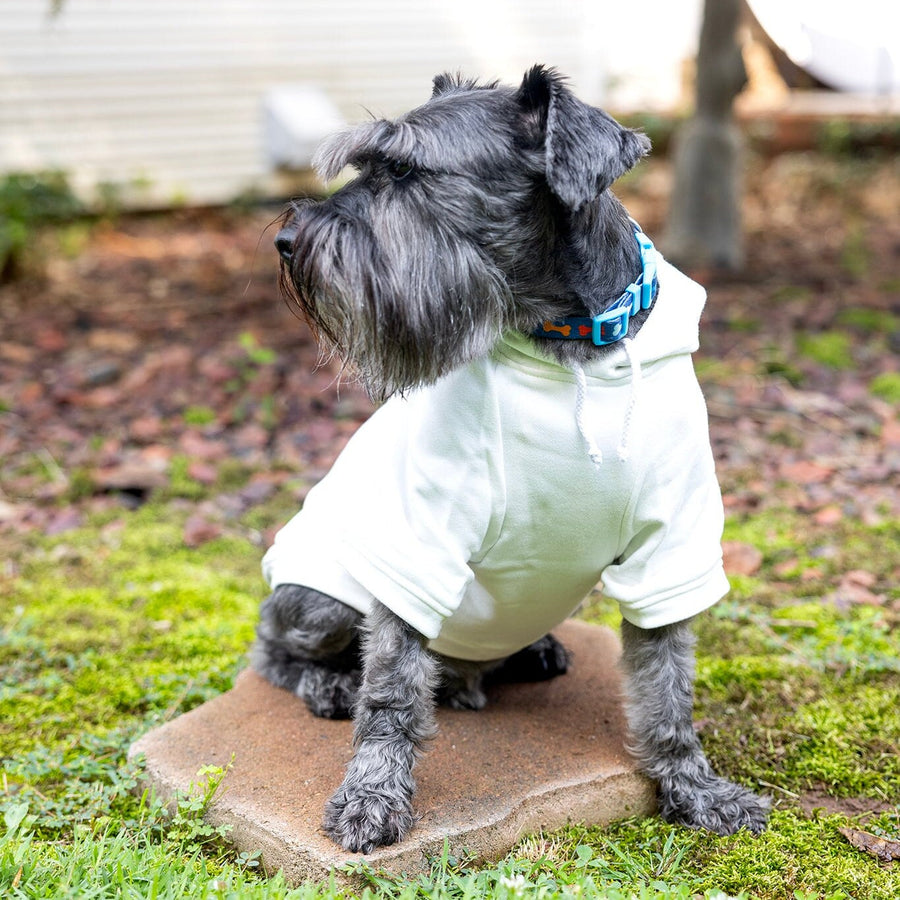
{"points": [[543, 430]]}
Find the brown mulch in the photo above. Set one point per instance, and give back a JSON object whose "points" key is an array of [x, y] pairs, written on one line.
{"points": [[812, 802], [165, 339]]}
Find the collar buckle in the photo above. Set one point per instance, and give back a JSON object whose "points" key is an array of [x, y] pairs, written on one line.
{"points": [[612, 325]]}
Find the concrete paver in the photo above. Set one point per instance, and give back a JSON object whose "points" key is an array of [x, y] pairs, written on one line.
{"points": [[540, 755]]}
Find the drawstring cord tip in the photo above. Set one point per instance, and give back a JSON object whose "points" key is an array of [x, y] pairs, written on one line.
{"points": [[594, 452], [623, 450]]}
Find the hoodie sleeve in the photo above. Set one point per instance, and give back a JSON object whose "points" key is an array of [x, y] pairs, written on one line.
{"points": [[406, 506]]}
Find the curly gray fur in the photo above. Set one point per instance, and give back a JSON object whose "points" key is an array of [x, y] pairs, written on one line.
{"points": [[309, 643], [659, 667], [394, 716], [486, 209]]}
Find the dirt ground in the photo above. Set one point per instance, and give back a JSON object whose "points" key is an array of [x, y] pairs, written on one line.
{"points": [[157, 347]]}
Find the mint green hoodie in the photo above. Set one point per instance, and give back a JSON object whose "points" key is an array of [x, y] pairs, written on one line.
{"points": [[474, 510]]}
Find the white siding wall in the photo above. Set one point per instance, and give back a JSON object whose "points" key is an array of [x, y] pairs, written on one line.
{"points": [[164, 97]]}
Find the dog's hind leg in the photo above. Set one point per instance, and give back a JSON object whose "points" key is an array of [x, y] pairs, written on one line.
{"points": [[659, 667], [394, 718], [308, 643], [546, 658], [462, 682]]}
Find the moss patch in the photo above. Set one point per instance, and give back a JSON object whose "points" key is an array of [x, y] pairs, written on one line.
{"points": [[829, 348], [110, 626], [887, 387], [798, 857], [116, 626]]}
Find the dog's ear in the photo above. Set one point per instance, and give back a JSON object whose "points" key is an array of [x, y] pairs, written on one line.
{"points": [[585, 150]]}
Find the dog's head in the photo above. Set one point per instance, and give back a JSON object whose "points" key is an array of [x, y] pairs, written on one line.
{"points": [[454, 228]]}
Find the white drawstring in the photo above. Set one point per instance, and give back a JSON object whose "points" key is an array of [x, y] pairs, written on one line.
{"points": [[623, 450], [594, 451]]}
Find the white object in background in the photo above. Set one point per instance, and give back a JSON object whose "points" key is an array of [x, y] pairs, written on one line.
{"points": [[297, 118], [853, 47]]}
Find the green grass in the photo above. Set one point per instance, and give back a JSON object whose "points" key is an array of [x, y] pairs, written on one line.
{"points": [[113, 628], [887, 387], [828, 348], [199, 415], [868, 321]]}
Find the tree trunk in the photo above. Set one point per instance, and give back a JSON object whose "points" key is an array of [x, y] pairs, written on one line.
{"points": [[704, 224]]}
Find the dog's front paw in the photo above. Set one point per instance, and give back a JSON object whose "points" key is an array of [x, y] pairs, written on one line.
{"points": [[361, 820], [712, 803]]}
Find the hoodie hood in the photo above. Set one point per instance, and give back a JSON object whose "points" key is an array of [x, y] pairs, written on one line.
{"points": [[671, 329]]}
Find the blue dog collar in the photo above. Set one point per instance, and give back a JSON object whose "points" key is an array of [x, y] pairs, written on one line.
{"points": [[611, 325]]}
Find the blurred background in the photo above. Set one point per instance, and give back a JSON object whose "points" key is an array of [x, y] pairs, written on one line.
{"points": [[147, 148], [200, 102], [162, 102]]}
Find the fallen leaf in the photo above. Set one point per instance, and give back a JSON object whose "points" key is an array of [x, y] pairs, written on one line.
{"points": [[806, 472], [17, 353], [859, 578], [890, 433], [198, 531], [855, 588], [146, 428], [136, 475], [30, 394], [829, 515], [64, 520], [157, 455], [198, 447], [787, 567], [50, 339], [8, 511], [203, 472], [251, 436], [741, 558], [883, 849], [117, 340], [257, 491], [101, 398]]}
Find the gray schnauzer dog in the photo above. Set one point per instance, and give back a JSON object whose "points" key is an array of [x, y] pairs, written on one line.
{"points": [[543, 430]]}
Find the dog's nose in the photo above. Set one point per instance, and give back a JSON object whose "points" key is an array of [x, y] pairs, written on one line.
{"points": [[284, 243]]}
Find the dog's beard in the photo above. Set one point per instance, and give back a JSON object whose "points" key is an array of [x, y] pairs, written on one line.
{"points": [[402, 311]]}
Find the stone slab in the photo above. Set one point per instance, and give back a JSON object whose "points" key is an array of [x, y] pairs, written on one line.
{"points": [[539, 756]]}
